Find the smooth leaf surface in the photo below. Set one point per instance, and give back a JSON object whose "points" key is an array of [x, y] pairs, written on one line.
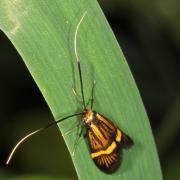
{"points": [[43, 33]]}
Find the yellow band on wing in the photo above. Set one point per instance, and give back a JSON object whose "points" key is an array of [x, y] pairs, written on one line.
{"points": [[109, 150], [118, 136]]}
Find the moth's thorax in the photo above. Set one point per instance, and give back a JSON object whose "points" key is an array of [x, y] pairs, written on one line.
{"points": [[88, 116]]}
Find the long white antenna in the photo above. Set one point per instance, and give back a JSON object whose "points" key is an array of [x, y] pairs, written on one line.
{"points": [[77, 58], [75, 36], [35, 132], [19, 143]]}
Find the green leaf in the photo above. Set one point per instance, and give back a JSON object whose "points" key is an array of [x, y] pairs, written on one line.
{"points": [[43, 33]]}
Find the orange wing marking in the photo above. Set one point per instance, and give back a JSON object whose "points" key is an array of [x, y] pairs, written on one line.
{"points": [[93, 142], [105, 121], [106, 162], [109, 150], [105, 132], [98, 134], [118, 135]]}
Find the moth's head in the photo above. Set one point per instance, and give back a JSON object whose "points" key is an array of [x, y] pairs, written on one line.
{"points": [[88, 116]]}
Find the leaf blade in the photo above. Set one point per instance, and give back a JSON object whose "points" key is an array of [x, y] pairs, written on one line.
{"points": [[43, 35]]}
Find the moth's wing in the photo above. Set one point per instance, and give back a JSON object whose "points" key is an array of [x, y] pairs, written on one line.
{"points": [[107, 158], [111, 162], [105, 151], [126, 141], [106, 142], [101, 134]]}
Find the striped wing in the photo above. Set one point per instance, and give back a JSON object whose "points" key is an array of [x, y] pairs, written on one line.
{"points": [[106, 142]]}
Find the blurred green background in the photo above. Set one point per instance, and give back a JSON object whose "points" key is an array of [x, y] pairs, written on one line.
{"points": [[149, 35]]}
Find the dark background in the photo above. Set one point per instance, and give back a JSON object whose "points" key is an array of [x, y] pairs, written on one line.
{"points": [[149, 35]]}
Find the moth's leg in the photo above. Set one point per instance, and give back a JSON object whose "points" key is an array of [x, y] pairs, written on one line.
{"points": [[77, 96], [91, 99], [71, 129], [77, 141]]}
